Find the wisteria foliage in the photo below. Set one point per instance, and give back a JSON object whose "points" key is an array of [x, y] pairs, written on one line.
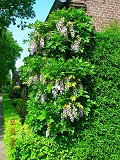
{"points": [[55, 71], [57, 94], [65, 35], [61, 28]]}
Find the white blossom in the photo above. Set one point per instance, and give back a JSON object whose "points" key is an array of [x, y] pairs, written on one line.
{"points": [[44, 97], [54, 93], [71, 112], [75, 46], [62, 86], [75, 91], [47, 132], [72, 32], [64, 30], [32, 47], [59, 88], [41, 78], [33, 80], [59, 24], [42, 43], [29, 81], [61, 28]]}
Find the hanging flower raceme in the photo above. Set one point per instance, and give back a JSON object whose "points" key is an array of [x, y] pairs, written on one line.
{"points": [[44, 97], [48, 132], [75, 45], [59, 24], [60, 27], [42, 43], [41, 96], [71, 112], [32, 47], [60, 87], [32, 80], [72, 32]]}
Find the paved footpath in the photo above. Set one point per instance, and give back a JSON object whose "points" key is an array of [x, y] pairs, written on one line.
{"points": [[2, 144]]}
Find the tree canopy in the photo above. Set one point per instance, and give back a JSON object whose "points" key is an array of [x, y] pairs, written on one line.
{"points": [[12, 9], [9, 52]]}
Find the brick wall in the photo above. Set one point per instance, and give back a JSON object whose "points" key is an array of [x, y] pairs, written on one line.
{"points": [[102, 11], [76, 3]]}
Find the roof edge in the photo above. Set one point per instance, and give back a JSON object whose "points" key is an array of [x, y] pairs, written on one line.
{"points": [[58, 4]]}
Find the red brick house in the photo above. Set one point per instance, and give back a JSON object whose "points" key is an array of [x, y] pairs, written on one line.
{"points": [[102, 11]]}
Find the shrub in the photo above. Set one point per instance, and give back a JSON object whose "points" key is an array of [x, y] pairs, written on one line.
{"points": [[107, 61], [21, 109], [13, 91], [12, 127], [104, 124]]}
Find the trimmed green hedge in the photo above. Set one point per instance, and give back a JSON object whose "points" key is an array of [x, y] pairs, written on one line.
{"points": [[12, 126], [104, 125]]}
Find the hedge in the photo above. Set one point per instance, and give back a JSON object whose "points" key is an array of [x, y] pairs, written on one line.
{"points": [[12, 126]]}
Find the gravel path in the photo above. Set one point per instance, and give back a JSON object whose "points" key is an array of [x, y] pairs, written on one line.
{"points": [[2, 145]]}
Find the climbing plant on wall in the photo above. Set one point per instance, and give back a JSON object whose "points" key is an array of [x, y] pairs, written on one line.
{"points": [[57, 72]]}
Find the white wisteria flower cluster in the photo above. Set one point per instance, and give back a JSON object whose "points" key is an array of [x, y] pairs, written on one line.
{"points": [[37, 96], [42, 42], [47, 132], [41, 96], [63, 29], [60, 27], [71, 29], [75, 46], [71, 112], [32, 47], [32, 80], [60, 87]]}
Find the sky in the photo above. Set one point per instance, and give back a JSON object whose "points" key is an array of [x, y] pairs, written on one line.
{"points": [[41, 8]]}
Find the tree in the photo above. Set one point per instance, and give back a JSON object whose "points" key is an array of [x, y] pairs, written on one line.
{"points": [[9, 52], [12, 9], [9, 49]]}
